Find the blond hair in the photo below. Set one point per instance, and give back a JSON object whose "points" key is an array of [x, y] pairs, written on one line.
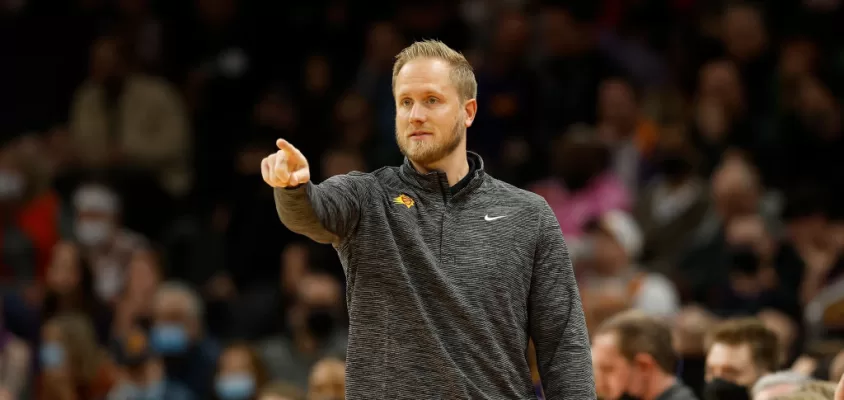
{"points": [[462, 75], [79, 340]]}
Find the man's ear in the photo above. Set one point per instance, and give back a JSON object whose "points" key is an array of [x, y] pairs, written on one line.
{"points": [[471, 109]]}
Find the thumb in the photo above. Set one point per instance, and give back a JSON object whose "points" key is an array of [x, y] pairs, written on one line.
{"points": [[839, 391], [300, 176]]}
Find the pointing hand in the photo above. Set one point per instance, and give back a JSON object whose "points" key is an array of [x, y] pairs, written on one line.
{"points": [[285, 168]]}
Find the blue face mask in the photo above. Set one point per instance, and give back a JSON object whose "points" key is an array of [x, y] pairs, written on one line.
{"points": [[169, 339], [51, 355], [235, 387], [129, 391]]}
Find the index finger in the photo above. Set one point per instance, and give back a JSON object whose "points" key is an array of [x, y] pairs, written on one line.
{"points": [[284, 145], [295, 158]]}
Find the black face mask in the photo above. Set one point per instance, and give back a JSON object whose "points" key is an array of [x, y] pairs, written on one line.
{"points": [[744, 260], [674, 167], [321, 323], [628, 396], [719, 389]]}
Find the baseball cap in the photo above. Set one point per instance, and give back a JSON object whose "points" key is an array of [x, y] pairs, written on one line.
{"points": [[623, 228]]}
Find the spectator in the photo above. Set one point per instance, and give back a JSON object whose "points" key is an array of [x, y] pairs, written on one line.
{"points": [[633, 357], [30, 218], [134, 307], [70, 289], [777, 384], [673, 206], [612, 282], [240, 373], [106, 244], [179, 337], [740, 352], [281, 391], [16, 359], [140, 372], [582, 186], [736, 191], [73, 366], [315, 331], [122, 118], [747, 282], [631, 136], [327, 380]]}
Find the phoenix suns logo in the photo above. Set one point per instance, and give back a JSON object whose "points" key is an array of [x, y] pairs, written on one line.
{"points": [[405, 200]]}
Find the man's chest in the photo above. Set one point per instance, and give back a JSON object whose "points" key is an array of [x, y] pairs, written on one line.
{"points": [[462, 245]]}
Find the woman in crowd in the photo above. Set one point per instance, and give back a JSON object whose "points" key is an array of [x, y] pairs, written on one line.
{"points": [[70, 289], [134, 305], [73, 367]]}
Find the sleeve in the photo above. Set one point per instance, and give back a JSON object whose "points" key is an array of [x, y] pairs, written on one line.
{"points": [[557, 323], [326, 213]]}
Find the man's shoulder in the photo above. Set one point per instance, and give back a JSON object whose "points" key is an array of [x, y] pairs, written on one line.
{"points": [[503, 191], [384, 176]]}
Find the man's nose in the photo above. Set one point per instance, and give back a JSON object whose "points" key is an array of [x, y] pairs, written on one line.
{"points": [[417, 114]]}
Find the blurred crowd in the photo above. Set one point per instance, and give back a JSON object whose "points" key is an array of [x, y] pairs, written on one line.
{"points": [[690, 150]]}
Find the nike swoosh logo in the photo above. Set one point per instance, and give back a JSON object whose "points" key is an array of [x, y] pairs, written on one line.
{"points": [[488, 218]]}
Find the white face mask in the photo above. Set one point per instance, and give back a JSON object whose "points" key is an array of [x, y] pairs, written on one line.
{"points": [[93, 232], [11, 186]]}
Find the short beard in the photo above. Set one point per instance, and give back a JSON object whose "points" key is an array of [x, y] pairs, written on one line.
{"points": [[427, 153]]}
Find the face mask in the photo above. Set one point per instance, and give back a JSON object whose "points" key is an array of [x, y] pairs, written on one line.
{"points": [[674, 167], [744, 260], [169, 339], [51, 355], [92, 233], [11, 186], [128, 391], [235, 387], [719, 389], [320, 323]]}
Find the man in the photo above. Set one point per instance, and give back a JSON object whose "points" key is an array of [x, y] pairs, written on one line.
{"points": [[634, 357], [780, 383], [327, 380], [613, 282], [140, 372], [740, 352], [315, 333], [449, 270], [178, 336]]}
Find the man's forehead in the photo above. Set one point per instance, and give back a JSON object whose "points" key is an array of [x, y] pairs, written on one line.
{"points": [[425, 74], [733, 354], [173, 301], [605, 346]]}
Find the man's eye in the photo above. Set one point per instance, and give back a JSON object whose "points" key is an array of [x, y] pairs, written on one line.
{"points": [[405, 102], [432, 100]]}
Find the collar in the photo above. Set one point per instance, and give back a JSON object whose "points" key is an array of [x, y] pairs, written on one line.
{"points": [[437, 181]]}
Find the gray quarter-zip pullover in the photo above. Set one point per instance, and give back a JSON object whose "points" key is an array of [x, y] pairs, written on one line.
{"points": [[445, 288]]}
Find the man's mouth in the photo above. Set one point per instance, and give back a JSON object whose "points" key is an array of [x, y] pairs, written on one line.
{"points": [[419, 134]]}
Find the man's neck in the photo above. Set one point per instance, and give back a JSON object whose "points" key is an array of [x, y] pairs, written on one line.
{"points": [[661, 384], [455, 166]]}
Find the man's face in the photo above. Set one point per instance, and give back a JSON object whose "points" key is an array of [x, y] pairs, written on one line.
{"points": [[720, 80], [327, 381], [613, 373], [744, 33], [431, 119], [607, 253], [173, 309], [617, 103], [733, 363]]}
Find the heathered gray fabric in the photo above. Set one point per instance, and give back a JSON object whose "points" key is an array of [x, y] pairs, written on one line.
{"points": [[441, 301]]}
